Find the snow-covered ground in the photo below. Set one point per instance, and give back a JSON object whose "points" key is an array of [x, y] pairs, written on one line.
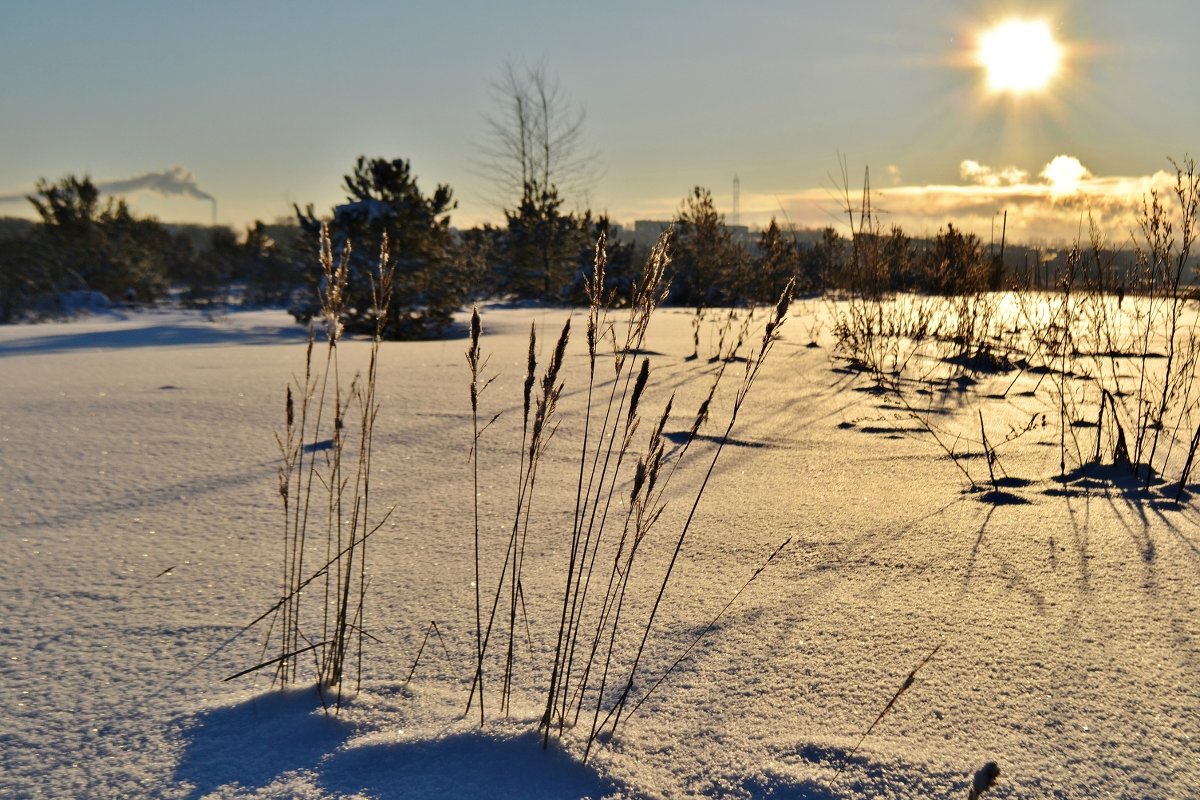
{"points": [[140, 531]]}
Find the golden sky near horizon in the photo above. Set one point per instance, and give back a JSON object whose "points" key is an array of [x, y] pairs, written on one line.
{"points": [[961, 110]]}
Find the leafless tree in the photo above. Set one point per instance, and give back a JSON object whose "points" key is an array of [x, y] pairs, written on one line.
{"points": [[534, 140]]}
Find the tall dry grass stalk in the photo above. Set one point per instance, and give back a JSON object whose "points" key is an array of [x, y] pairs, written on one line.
{"points": [[478, 384]]}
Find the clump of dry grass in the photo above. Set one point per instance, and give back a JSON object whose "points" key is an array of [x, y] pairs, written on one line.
{"points": [[1153, 413], [599, 638], [326, 451], [1112, 342], [753, 365]]}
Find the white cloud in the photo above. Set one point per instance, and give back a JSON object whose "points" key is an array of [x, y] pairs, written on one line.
{"points": [[984, 175], [1065, 174]]}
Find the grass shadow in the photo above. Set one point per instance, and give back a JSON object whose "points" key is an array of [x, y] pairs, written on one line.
{"points": [[471, 764], [779, 787], [681, 437], [999, 497], [255, 741], [852, 775], [999, 493], [1121, 480]]}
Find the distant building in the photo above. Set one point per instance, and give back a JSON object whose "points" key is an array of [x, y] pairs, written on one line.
{"points": [[646, 232]]}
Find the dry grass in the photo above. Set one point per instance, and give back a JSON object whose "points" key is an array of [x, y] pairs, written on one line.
{"points": [[1114, 352], [599, 637], [326, 451]]}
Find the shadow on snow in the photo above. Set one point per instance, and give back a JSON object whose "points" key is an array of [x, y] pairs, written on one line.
{"points": [[162, 335], [471, 764], [255, 742]]}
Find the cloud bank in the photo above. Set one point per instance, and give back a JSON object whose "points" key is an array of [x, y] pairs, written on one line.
{"points": [[1054, 206]]}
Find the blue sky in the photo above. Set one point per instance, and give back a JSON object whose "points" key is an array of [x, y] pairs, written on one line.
{"points": [[269, 103]]}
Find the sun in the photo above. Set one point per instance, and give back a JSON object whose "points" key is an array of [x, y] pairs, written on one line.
{"points": [[1020, 56]]}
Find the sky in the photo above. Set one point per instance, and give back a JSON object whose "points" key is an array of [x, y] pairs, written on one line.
{"points": [[242, 109]]}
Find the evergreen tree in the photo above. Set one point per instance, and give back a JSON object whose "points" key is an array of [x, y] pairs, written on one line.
{"points": [[709, 267], [267, 267], [541, 246], [898, 256], [211, 270], [777, 260], [823, 265], [382, 197], [24, 275], [953, 262], [85, 244]]}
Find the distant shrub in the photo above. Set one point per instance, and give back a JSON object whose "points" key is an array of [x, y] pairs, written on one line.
{"points": [[258, 270]]}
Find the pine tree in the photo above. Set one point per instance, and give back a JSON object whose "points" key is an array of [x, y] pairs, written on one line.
{"points": [[777, 261], [382, 197], [709, 267]]}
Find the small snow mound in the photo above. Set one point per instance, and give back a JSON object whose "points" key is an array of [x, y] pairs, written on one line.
{"points": [[71, 304]]}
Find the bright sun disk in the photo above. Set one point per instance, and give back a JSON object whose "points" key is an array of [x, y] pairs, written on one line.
{"points": [[1019, 56]]}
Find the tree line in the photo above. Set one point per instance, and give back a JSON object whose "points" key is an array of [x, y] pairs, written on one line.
{"points": [[541, 252], [82, 244]]}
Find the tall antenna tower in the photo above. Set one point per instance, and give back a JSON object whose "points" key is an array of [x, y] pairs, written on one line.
{"points": [[737, 191]]}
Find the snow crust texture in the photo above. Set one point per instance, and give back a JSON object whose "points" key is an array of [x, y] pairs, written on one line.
{"points": [[140, 531]]}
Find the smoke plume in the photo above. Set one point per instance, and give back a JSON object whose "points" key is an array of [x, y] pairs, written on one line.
{"points": [[173, 182]]}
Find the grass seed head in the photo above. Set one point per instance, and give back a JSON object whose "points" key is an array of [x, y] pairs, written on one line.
{"points": [[639, 478], [638, 387], [556, 360], [662, 422], [655, 464], [702, 413], [595, 287], [473, 358], [530, 367], [591, 340]]}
